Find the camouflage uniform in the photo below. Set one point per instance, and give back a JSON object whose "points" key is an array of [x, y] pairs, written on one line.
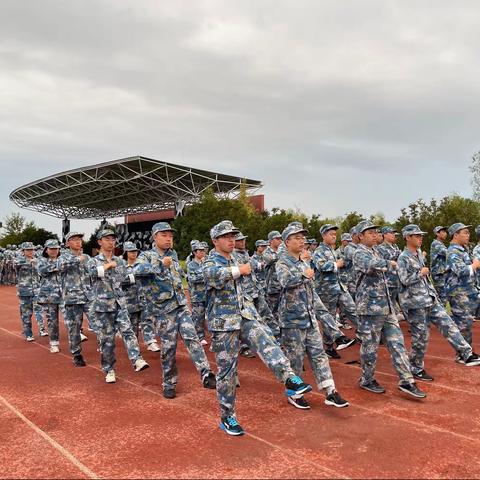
{"points": [[166, 296], [375, 312], [438, 265], [461, 288], [476, 254], [232, 319], [340, 255], [419, 299], [348, 270], [109, 309], [196, 286]]}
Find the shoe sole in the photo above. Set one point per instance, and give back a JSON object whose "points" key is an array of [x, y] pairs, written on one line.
{"points": [[423, 379], [346, 345], [476, 363], [378, 392], [229, 432], [290, 393], [333, 404], [143, 367], [408, 392], [291, 402], [110, 381]]}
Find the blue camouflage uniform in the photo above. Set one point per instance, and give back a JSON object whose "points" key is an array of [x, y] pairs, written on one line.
{"points": [[438, 266], [420, 300], [348, 270], [476, 254], [166, 296], [196, 287], [460, 285], [375, 313]]}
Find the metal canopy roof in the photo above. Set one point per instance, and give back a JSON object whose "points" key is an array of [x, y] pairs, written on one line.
{"points": [[129, 185]]}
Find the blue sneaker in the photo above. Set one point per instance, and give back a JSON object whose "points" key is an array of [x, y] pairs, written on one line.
{"points": [[231, 426], [296, 386]]}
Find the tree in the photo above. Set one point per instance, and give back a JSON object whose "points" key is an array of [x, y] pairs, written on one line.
{"points": [[18, 231]]}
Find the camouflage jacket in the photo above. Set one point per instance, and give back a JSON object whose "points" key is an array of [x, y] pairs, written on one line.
{"points": [[196, 281], [164, 288], [75, 278], [49, 290], [460, 277], [476, 254], [390, 252], [327, 280], [248, 282], [258, 266], [227, 304], [371, 297], [342, 273], [27, 276], [438, 258], [415, 290], [348, 269], [133, 291], [107, 293], [297, 302], [270, 257]]}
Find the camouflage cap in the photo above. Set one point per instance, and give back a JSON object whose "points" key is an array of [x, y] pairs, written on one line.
{"points": [[261, 243], [205, 245], [292, 230], [313, 241], [439, 228], [105, 233], [240, 236], [274, 234], [412, 229], [69, 235], [346, 237], [353, 230], [295, 223], [162, 227], [387, 229], [326, 228], [52, 243], [197, 246], [27, 246], [364, 225], [456, 227], [477, 230], [129, 247], [223, 228]]}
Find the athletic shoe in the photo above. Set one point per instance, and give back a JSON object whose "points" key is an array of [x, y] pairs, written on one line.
{"points": [[30, 338], [412, 389], [54, 349], [43, 333], [373, 387], [344, 342], [153, 347], [246, 352], [473, 360], [423, 375], [459, 359], [296, 386], [203, 342], [299, 402], [209, 380], [78, 361], [332, 353], [169, 392], [140, 364], [231, 426], [83, 337], [110, 377], [345, 326], [335, 400]]}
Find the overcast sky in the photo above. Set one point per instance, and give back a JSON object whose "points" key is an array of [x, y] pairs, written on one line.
{"points": [[334, 105]]}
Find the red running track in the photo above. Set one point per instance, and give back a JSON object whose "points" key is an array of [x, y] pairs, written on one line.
{"points": [[58, 421]]}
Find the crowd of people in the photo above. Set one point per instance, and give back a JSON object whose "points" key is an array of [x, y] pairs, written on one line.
{"points": [[293, 298]]}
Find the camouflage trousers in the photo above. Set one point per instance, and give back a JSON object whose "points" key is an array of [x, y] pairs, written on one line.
{"points": [[464, 307], [272, 302], [38, 312], [344, 302], [170, 325], [198, 317], [226, 346], [50, 311], [330, 329], [352, 289], [393, 292], [439, 284], [266, 314], [147, 325], [419, 320], [297, 343], [26, 311], [107, 323], [369, 331], [73, 318]]}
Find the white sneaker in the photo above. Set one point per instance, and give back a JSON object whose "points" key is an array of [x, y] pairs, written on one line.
{"points": [[140, 364], [43, 333], [30, 338], [54, 349], [110, 377], [83, 337], [153, 347], [203, 342]]}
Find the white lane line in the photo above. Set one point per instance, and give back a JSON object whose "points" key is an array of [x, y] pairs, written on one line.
{"points": [[63, 451]]}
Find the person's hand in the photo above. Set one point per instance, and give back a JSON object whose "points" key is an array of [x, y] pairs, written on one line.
{"points": [[393, 264], [306, 255], [476, 263], [167, 262], [340, 263], [425, 271], [309, 272], [245, 269], [110, 265]]}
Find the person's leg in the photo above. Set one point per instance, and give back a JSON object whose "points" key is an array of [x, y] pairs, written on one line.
{"points": [[420, 332], [26, 311]]}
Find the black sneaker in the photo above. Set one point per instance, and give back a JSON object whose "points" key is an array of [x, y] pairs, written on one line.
{"points": [[296, 386], [169, 392], [299, 402], [335, 400], [78, 361], [424, 376], [472, 361], [247, 353], [373, 387], [412, 389], [231, 426], [209, 380], [344, 342], [332, 353]]}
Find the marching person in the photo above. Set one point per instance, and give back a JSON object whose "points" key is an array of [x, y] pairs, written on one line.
{"points": [[438, 261]]}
